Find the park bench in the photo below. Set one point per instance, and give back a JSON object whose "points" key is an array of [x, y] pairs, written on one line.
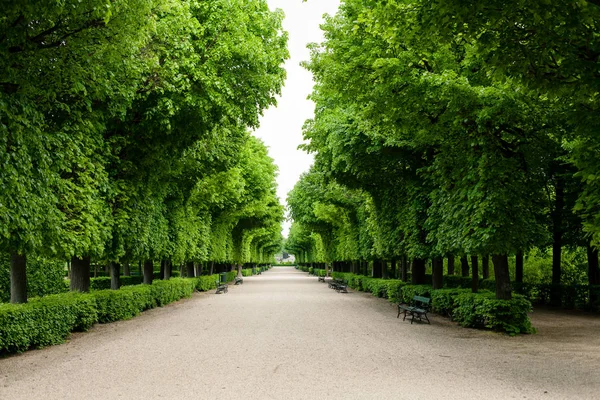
{"points": [[418, 309], [321, 279], [338, 286], [221, 287], [238, 280]]}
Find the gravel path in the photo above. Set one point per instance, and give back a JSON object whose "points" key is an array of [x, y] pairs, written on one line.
{"points": [[283, 335]]}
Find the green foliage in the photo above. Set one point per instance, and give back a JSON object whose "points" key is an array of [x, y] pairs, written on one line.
{"points": [[443, 300], [44, 321], [206, 282], [483, 310], [410, 291], [44, 277], [49, 320]]}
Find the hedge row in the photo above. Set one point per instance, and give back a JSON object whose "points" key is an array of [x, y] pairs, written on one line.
{"points": [[474, 310], [48, 320]]}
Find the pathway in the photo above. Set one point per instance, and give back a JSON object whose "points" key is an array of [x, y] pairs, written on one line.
{"points": [[283, 335]]}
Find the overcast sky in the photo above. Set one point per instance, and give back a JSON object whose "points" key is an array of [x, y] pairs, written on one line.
{"points": [[281, 126]]}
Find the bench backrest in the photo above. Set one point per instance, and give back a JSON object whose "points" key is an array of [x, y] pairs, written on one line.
{"points": [[422, 301]]}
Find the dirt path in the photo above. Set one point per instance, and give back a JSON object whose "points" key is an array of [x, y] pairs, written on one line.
{"points": [[283, 335]]}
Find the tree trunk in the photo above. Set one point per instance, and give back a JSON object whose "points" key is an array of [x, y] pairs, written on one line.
{"points": [[80, 274], [450, 265], [394, 271], [377, 269], [559, 202], [519, 267], [384, 270], [404, 276], [474, 274], [189, 269], [69, 270], [327, 269], [418, 271], [437, 273], [593, 270], [501, 273], [161, 274], [140, 268], [485, 266], [168, 269], [464, 266], [95, 270], [148, 272], [18, 278], [126, 269], [115, 273], [212, 267], [239, 270]]}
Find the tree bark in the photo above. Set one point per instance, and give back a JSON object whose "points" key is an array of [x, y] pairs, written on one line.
{"points": [[485, 266], [418, 271], [519, 267], [80, 274], [501, 273], [464, 266], [161, 274], [148, 272], [18, 278], [189, 266], [126, 269], [165, 269], [115, 273], [437, 267], [404, 277], [239, 270], [377, 269], [212, 267], [384, 269], [593, 270], [559, 202], [474, 274], [450, 265]]}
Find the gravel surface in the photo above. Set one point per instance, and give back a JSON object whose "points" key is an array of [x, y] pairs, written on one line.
{"points": [[283, 335]]}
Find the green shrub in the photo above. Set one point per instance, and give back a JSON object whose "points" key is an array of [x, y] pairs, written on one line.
{"points": [[49, 320], [247, 272], [393, 290], [44, 321], [443, 300], [410, 291], [206, 282], [484, 310], [454, 281]]}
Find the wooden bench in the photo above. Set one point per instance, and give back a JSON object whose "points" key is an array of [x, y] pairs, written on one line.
{"points": [[418, 309], [221, 287], [238, 281], [321, 279]]}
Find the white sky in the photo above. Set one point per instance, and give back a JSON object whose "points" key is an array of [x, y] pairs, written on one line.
{"points": [[281, 126]]}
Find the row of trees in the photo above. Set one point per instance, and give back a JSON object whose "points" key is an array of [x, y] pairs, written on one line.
{"points": [[453, 128], [124, 133]]}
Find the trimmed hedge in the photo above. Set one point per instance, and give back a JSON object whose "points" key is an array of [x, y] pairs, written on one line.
{"points": [[45, 321], [50, 319], [474, 310]]}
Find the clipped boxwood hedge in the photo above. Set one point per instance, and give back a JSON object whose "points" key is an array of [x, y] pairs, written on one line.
{"points": [[50, 319], [474, 310]]}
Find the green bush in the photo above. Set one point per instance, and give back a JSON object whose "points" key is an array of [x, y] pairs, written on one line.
{"points": [[206, 282], [410, 291], [484, 310], [443, 300], [247, 272], [44, 321], [49, 320]]}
